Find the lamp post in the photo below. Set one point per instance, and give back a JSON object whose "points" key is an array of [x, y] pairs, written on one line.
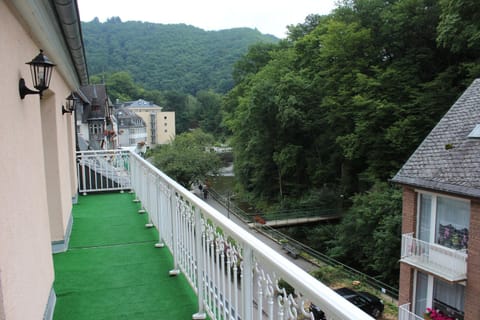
{"points": [[41, 69]]}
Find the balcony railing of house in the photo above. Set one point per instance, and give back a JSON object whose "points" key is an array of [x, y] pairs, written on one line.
{"points": [[404, 313], [447, 263], [234, 275], [103, 171]]}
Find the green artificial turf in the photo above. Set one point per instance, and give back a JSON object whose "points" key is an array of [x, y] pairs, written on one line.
{"points": [[112, 269]]}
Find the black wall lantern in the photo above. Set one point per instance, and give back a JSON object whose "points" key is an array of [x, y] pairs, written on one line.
{"points": [[70, 104], [41, 69]]}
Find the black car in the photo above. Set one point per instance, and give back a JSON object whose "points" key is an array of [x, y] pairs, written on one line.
{"points": [[363, 300]]}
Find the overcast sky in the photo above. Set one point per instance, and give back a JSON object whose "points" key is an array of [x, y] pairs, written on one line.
{"points": [[268, 16]]}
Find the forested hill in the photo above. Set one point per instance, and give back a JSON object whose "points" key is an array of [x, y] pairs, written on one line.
{"points": [[175, 57]]}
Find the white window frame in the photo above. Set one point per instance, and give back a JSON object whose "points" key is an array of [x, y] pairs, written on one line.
{"points": [[433, 211], [430, 286], [429, 297]]}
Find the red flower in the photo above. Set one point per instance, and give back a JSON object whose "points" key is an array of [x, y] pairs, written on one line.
{"points": [[436, 315]]}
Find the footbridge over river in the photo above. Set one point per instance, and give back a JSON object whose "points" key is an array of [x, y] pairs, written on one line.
{"points": [[296, 217], [282, 218], [298, 220]]}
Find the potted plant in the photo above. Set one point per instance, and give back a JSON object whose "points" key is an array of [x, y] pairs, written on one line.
{"points": [[432, 314]]}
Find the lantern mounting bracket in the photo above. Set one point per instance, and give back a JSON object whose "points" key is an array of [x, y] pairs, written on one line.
{"points": [[41, 69], [23, 90]]}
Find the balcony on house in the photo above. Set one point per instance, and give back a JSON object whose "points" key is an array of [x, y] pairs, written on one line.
{"points": [[229, 273], [404, 313], [447, 263]]}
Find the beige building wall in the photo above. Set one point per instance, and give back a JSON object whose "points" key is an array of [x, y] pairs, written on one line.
{"points": [[71, 141], [165, 121], [37, 184], [58, 155], [166, 127]]}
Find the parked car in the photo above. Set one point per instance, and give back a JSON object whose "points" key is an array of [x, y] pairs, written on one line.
{"points": [[363, 300]]}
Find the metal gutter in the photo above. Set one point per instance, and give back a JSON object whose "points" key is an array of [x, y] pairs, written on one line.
{"points": [[69, 19], [55, 27]]}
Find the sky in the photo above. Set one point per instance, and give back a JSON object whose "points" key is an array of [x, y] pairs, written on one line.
{"points": [[268, 16]]}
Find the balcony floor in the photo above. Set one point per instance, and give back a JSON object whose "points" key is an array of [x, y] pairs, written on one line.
{"points": [[112, 269]]}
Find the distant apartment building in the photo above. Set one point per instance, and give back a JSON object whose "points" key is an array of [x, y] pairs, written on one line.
{"points": [[160, 124], [440, 253], [131, 128]]}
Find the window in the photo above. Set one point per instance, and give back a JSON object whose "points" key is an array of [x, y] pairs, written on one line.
{"points": [[449, 298], [452, 223], [421, 293], [443, 220], [431, 292], [424, 219], [95, 129]]}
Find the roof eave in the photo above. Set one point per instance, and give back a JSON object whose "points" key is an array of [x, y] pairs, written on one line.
{"points": [[47, 25], [437, 186]]}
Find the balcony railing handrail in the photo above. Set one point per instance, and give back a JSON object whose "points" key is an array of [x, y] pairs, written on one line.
{"points": [[279, 236], [453, 252], [432, 255], [404, 313], [235, 275], [103, 170], [334, 306]]}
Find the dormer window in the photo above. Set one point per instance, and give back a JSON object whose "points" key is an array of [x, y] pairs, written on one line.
{"points": [[475, 132]]}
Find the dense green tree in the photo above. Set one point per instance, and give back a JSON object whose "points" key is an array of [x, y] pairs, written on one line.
{"points": [[175, 57], [262, 147], [459, 31], [209, 112], [348, 98], [258, 56], [187, 158], [184, 106], [369, 235], [343, 102], [459, 27], [296, 32], [120, 85]]}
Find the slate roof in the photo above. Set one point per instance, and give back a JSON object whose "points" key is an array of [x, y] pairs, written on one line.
{"points": [[128, 119], [96, 95], [141, 104], [448, 160], [98, 91]]}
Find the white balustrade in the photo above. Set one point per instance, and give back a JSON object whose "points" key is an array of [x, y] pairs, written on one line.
{"points": [[404, 313], [443, 261], [103, 170], [235, 275]]}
